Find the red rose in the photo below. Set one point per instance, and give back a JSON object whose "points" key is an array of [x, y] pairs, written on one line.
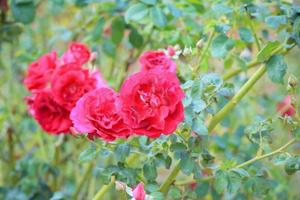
{"points": [[70, 82], [77, 53], [157, 61], [98, 114], [40, 72], [52, 117], [285, 108], [152, 103]]}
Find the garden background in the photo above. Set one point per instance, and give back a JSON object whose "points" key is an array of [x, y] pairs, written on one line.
{"points": [[220, 46]]}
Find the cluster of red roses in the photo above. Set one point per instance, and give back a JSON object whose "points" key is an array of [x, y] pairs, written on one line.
{"points": [[65, 94]]}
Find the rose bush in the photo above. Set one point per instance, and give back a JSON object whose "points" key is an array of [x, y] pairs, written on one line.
{"points": [[149, 100]]}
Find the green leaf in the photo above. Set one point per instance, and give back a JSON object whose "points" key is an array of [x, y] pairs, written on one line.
{"points": [[162, 159], [199, 127], [149, 2], [276, 21], [202, 189], [174, 193], [198, 105], [158, 17], [88, 154], [187, 164], [234, 183], [292, 165], [118, 28], [221, 9], [98, 29], [149, 171], [109, 48], [136, 12], [260, 129], [23, 1], [265, 53], [246, 35], [135, 38], [177, 147], [221, 45], [221, 181], [241, 172], [276, 68], [281, 158], [157, 196], [122, 152], [23, 12]]}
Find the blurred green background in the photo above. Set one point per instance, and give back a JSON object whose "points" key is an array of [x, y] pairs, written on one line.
{"points": [[35, 165]]}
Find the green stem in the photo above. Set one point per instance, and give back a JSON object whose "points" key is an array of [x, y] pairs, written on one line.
{"points": [[101, 193], [239, 70], [204, 52], [83, 179], [189, 181], [237, 98], [166, 184], [42, 145], [257, 158], [252, 64], [254, 34], [241, 93]]}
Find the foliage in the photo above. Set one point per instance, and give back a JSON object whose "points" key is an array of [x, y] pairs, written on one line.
{"points": [[235, 60]]}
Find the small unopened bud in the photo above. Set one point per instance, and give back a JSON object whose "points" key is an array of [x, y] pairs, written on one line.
{"points": [[171, 51], [292, 81], [187, 51], [120, 185], [93, 56], [224, 20], [200, 43], [176, 47]]}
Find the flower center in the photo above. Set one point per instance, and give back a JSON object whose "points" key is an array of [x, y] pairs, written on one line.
{"points": [[149, 98]]}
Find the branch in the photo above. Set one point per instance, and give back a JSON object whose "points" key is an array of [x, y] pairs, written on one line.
{"points": [[250, 65], [83, 179], [204, 52], [100, 194], [257, 158], [240, 94], [166, 184], [237, 98]]}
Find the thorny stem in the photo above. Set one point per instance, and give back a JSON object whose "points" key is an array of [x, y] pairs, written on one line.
{"points": [[254, 32], [166, 184], [204, 52], [101, 193], [239, 95], [83, 179], [252, 64], [257, 158], [237, 98]]}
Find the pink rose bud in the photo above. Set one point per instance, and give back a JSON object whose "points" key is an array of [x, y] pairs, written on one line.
{"points": [[193, 185], [171, 51], [93, 56], [285, 108], [139, 192]]}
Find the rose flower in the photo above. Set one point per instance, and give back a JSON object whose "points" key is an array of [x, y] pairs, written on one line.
{"points": [[152, 103]]}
